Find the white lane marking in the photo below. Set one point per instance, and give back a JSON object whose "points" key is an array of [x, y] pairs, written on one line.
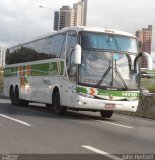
{"points": [[101, 152], [120, 125], [115, 124], [16, 120]]}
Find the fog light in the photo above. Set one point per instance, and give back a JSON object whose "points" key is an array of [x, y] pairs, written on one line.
{"points": [[79, 102]]}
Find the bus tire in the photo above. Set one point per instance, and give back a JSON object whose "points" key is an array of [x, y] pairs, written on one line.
{"points": [[60, 110], [106, 114], [18, 101], [12, 96]]}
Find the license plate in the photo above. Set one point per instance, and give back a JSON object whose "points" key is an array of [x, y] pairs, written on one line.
{"points": [[110, 105]]}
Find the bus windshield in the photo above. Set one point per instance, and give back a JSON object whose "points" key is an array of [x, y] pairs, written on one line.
{"points": [[110, 42], [105, 69]]}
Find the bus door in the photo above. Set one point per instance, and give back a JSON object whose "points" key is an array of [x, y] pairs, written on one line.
{"points": [[69, 81], [69, 84]]}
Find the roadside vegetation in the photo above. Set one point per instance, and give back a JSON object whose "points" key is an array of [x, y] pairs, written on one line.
{"points": [[148, 83], [148, 80]]}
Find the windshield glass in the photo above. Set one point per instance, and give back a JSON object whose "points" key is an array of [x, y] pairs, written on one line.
{"points": [[105, 69], [110, 42]]}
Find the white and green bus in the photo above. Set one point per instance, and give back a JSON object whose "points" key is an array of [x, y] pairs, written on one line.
{"points": [[77, 68]]}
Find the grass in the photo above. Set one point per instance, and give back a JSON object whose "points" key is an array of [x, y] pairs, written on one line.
{"points": [[148, 83]]}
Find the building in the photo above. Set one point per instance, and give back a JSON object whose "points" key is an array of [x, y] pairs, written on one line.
{"points": [[80, 13], [145, 39], [63, 18], [2, 57], [68, 17], [56, 20]]}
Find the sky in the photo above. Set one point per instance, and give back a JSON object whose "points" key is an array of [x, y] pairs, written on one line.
{"points": [[23, 20]]}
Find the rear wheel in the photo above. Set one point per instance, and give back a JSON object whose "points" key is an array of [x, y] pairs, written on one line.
{"points": [[18, 101], [106, 114], [12, 96], [60, 110]]}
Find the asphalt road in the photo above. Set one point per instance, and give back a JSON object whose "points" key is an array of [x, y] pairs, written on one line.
{"points": [[38, 130]]}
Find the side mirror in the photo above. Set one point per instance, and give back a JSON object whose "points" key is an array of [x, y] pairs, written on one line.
{"points": [[77, 54], [148, 59]]}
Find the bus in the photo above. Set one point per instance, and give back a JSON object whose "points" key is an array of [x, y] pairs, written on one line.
{"points": [[76, 68]]}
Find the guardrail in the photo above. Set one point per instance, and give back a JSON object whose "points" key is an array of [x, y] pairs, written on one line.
{"points": [[146, 107]]}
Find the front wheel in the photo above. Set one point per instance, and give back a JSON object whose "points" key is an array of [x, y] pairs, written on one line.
{"points": [[60, 110], [106, 114]]}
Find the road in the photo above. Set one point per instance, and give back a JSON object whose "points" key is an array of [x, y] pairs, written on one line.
{"points": [[37, 130]]}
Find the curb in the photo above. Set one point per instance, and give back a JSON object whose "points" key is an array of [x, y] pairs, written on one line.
{"points": [[142, 114], [2, 96]]}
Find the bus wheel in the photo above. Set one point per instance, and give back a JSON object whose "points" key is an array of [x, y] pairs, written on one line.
{"points": [[12, 96], [18, 101], [60, 110], [106, 114]]}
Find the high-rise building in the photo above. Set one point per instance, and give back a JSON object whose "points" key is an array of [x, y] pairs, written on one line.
{"points": [[80, 13], [2, 56], [63, 18], [56, 20], [68, 17], [145, 39]]}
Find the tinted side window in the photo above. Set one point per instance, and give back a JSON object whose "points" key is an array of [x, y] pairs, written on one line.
{"points": [[54, 45], [12, 55], [58, 44], [50, 47]]}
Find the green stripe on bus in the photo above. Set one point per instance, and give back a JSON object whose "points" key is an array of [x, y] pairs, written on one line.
{"points": [[118, 93], [52, 68], [103, 92], [39, 69], [81, 89]]}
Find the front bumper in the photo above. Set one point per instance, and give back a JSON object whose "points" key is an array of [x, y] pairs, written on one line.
{"points": [[101, 104]]}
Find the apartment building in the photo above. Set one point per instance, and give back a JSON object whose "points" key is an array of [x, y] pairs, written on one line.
{"points": [[68, 17]]}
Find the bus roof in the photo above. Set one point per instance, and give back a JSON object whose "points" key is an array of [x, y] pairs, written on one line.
{"points": [[97, 29], [81, 28]]}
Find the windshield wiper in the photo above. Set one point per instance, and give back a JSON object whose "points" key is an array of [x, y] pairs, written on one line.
{"points": [[116, 71], [103, 77], [120, 76]]}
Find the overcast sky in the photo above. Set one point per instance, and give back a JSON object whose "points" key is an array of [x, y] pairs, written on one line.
{"points": [[23, 20]]}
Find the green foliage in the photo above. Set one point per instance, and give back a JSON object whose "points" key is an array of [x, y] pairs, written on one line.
{"points": [[148, 83]]}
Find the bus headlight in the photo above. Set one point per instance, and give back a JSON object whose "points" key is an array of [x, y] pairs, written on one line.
{"points": [[86, 95], [133, 99]]}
